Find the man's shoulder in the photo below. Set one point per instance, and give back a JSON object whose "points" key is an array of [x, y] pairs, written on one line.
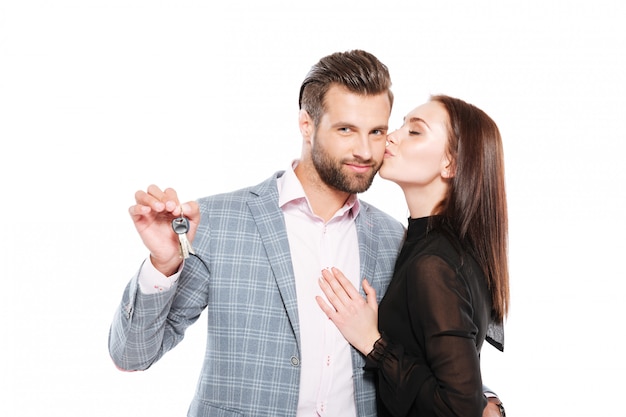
{"points": [[379, 219], [266, 187], [372, 211]]}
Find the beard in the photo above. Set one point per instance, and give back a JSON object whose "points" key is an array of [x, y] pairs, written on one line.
{"points": [[331, 173]]}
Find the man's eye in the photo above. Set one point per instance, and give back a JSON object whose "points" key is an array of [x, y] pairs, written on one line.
{"points": [[345, 129], [378, 132]]}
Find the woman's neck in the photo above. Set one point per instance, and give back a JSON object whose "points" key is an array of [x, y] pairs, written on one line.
{"points": [[423, 201]]}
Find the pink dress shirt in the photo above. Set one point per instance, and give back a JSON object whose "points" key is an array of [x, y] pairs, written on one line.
{"points": [[326, 387]]}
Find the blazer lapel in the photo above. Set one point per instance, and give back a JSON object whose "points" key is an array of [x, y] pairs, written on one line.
{"points": [[368, 248], [271, 225]]}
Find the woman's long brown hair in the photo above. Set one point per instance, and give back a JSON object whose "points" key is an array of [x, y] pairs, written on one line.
{"points": [[475, 204]]}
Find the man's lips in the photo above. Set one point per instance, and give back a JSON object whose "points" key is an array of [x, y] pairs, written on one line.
{"points": [[359, 167]]}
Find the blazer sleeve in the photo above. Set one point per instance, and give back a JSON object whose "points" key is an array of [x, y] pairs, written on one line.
{"points": [[145, 327]]}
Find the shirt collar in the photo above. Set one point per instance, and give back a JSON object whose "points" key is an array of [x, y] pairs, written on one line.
{"points": [[290, 191]]}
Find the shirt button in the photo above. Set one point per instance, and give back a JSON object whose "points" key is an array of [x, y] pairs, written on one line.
{"points": [[295, 361]]}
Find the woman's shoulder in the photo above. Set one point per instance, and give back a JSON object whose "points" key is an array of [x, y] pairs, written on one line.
{"points": [[441, 243]]}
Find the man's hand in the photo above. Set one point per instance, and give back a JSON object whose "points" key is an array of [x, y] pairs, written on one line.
{"points": [[492, 409], [152, 215]]}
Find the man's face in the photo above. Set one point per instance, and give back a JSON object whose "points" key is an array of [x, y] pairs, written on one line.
{"points": [[348, 144]]}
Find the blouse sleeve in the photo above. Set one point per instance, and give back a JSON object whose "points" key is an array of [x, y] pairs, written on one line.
{"points": [[444, 379]]}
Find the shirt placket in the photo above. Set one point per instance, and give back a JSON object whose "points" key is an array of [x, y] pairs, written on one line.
{"points": [[327, 251]]}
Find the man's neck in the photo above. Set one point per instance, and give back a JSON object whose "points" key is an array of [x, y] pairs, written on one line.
{"points": [[324, 199]]}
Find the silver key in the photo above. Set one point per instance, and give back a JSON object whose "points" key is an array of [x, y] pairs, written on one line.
{"points": [[181, 227]]}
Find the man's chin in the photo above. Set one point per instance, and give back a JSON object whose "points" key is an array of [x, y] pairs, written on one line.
{"points": [[360, 183]]}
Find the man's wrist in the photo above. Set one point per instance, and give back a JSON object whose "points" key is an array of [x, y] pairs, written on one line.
{"points": [[499, 404], [168, 268], [501, 407]]}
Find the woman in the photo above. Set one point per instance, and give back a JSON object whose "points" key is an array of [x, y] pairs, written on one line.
{"points": [[451, 285]]}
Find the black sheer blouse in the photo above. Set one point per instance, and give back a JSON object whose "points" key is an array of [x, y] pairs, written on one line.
{"points": [[433, 319]]}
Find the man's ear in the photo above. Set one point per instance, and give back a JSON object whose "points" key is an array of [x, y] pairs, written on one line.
{"points": [[305, 122]]}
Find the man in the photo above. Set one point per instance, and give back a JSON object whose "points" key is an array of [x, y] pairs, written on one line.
{"points": [[259, 252]]}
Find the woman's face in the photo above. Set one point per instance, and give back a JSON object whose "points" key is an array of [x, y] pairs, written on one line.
{"points": [[416, 155]]}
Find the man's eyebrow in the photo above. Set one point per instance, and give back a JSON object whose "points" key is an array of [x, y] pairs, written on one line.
{"points": [[381, 127], [343, 124], [353, 126]]}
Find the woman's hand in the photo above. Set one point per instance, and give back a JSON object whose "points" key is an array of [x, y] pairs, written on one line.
{"points": [[355, 317]]}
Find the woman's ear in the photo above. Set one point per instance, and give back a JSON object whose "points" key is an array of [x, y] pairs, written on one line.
{"points": [[448, 169]]}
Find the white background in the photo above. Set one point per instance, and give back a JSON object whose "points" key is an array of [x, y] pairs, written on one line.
{"points": [[101, 98]]}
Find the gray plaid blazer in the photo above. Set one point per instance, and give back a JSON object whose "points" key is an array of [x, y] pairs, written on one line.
{"points": [[252, 361]]}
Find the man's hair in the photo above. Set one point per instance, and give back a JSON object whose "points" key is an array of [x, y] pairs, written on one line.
{"points": [[358, 71]]}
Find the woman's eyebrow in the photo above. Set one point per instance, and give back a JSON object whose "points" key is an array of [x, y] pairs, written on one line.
{"points": [[418, 119]]}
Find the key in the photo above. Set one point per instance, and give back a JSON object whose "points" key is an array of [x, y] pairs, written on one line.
{"points": [[181, 227]]}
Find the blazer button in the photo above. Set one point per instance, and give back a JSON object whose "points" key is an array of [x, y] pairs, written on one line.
{"points": [[295, 361]]}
